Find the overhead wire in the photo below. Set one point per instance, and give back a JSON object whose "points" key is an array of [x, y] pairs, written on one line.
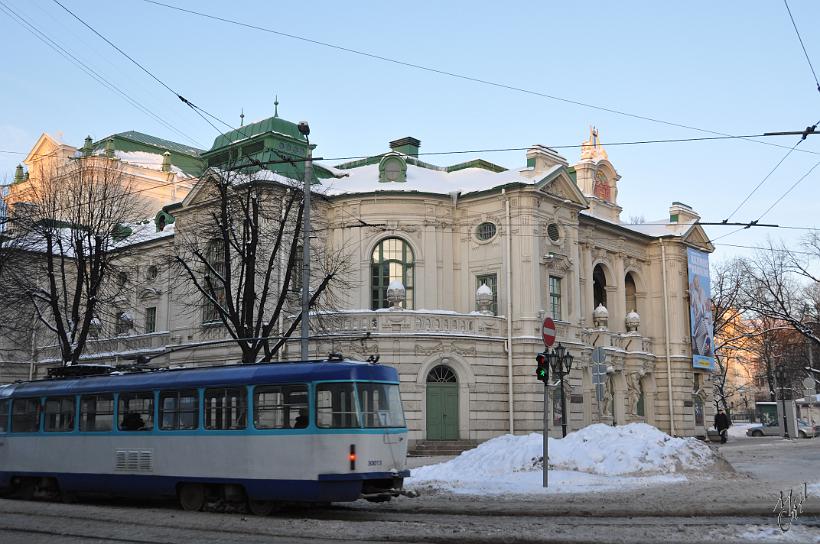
{"points": [[99, 78], [449, 73], [799, 37]]}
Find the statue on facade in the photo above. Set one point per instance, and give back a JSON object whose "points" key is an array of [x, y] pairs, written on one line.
{"points": [[592, 148], [609, 396], [633, 388]]}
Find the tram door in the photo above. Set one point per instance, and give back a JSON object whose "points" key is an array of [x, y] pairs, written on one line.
{"points": [[442, 404]]}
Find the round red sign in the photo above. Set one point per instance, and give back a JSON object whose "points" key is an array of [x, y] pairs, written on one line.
{"points": [[548, 332]]}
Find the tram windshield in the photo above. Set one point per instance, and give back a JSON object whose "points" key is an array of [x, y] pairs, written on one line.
{"points": [[379, 405]]}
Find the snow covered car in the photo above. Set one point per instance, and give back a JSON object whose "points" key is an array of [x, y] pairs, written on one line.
{"points": [[804, 430]]}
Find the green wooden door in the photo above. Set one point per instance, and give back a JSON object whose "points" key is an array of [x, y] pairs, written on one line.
{"points": [[442, 411]]}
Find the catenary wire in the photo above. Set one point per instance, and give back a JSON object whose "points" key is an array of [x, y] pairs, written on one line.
{"points": [[450, 74], [59, 49], [806, 53]]}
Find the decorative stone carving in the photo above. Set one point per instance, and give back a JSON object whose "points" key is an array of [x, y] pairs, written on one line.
{"points": [[484, 299], [600, 317], [633, 320], [396, 294]]}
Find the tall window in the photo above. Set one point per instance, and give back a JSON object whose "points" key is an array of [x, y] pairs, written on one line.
{"points": [[631, 293], [214, 271], [598, 286], [555, 297], [491, 281], [392, 260], [151, 319]]}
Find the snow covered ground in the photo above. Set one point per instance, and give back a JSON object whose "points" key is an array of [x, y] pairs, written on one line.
{"points": [[595, 458]]}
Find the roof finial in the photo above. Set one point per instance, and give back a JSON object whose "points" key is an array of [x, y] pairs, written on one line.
{"points": [[276, 106], [242, 118]]}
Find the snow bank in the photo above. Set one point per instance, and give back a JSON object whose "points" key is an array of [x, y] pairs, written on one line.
{"points": [[597, 455]]}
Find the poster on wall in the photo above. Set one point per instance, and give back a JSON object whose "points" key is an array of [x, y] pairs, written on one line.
{"points": [[700, 310]]}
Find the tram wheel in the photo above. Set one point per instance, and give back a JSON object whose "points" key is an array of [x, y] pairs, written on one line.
{"points": [[191, 497], [261, 508]]}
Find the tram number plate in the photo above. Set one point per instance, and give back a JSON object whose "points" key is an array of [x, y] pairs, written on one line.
{"points": [[374, 463]]}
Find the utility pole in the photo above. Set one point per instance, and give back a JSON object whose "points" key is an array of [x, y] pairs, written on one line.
{"points": [[304, 129]]}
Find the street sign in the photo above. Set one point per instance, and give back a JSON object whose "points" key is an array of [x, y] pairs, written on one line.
{"points": [[598, 355], [548, 332]]}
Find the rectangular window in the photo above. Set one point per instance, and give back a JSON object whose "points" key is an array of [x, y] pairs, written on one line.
{"points": [[336, 406], [555, 297], [491, 281], [150, 319], [179, 410], [97, 413], [215, 270], [381, 405], [280, 407], [136, 411], [59, 415], [4, 416], [25, 415], [225, 408]]}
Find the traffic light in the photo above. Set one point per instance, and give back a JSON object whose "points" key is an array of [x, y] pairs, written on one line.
{"points": [[541, 369]]}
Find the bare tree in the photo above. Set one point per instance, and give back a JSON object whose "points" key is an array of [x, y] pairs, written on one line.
{"points": [[731, 326], [240, 258], [63, 238]]}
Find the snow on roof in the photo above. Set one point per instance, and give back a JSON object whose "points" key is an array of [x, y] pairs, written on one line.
{"points": [[144, 159], [365, 179], [636, 452]]}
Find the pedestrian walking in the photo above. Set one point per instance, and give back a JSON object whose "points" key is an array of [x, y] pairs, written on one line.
{"points": [[722, 425]]}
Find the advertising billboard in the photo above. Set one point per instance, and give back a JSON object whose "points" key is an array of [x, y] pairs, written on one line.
{"points": [[700, 310]]}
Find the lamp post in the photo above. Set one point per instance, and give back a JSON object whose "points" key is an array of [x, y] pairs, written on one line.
{"points": [[780, 376], [304, 129], [561, 363]]}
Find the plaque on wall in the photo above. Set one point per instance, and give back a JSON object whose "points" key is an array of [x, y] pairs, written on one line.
{"points": [[688, 404], [576, 399]]}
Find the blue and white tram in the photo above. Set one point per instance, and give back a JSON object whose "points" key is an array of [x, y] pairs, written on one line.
{"points": [[308, 431]]}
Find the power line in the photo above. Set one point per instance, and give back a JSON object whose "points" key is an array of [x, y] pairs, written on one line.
{"points": [[450, 74], [789, 190], [813, 73], [40, 35], [776, 250]]}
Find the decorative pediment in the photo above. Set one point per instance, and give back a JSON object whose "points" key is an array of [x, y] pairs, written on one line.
{"points": [[558, 184], [696, 237], [45, 146]]}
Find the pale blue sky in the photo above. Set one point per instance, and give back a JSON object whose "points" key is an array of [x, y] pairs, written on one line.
{"points": [[734, 67]]}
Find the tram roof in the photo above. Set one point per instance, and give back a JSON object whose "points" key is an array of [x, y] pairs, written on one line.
{"points": [[271, 373]]}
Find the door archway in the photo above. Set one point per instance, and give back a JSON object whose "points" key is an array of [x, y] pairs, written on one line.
{"points": [[442, 404]]}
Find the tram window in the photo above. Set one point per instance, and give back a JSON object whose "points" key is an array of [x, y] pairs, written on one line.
{"points": [[280, 407], [25, 415], [336, 406], [136, 411], [59, 414], [96, 413], [4, 416], [179, 409], [225, 408], [380, 404]]}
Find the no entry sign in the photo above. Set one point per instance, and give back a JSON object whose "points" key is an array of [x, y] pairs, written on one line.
{"points": [[548, 332]]}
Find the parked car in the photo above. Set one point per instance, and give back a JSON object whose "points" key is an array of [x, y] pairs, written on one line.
{"points": [[804, 430]]}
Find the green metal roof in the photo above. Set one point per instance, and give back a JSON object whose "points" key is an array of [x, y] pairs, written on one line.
{"points": [[159, 143], [271, 124]]}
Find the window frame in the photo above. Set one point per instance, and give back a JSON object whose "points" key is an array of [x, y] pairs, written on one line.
{"points": [[150, 319], [555, 297], [493, 285], [288, 422], [177, 410], [354, 415], [380, 273], [131, 395], [83, 424], [38, 414], [241, 408], [5, 413], [215, 256], [60, 414]]}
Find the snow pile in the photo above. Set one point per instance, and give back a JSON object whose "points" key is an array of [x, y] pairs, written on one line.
{"points": [[597, 456]]}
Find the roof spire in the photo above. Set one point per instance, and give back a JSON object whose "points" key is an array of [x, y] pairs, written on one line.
{"points": [[242, 118], [276, 106]]}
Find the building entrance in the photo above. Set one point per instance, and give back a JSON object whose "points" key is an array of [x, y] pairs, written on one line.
{"points": [[442, 404]]}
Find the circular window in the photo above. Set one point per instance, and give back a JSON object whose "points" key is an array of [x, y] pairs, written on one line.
{"points": [[485, 231], [553, 232]]}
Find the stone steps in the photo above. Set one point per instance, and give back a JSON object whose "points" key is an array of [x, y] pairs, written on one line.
{"points": [[427, 448]]}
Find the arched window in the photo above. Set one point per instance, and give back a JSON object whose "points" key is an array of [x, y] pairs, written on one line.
{"points": [[392, 260], [631, 293], [441, 374], [598, 286]]}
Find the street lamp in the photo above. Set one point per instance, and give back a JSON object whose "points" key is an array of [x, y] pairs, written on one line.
{"points": [[561, 363], [780, 376], [304, 130]]}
